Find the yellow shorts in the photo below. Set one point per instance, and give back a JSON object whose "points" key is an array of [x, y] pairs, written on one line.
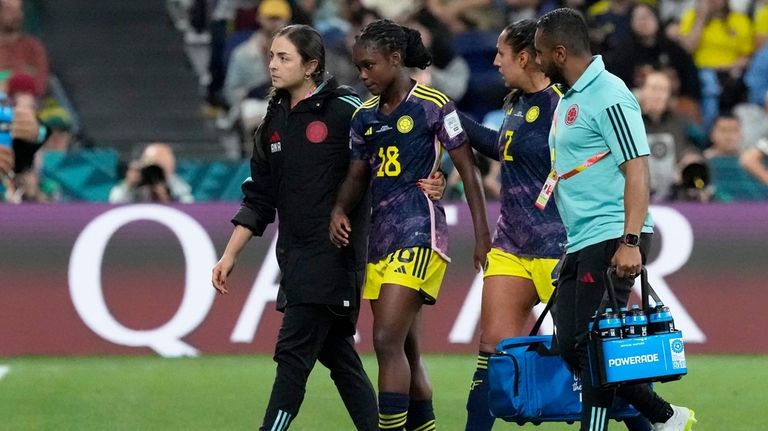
{"points": [[537, 269], [418, 268]]}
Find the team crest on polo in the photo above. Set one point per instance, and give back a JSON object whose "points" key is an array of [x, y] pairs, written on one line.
{"points": [[532, 114], [571, 114], [404, 124]]}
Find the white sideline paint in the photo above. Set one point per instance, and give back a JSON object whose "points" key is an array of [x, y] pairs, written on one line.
{"points": [[4, 370]]}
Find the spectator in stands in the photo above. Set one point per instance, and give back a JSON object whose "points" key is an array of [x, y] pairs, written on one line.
{"points": [[670, 136], [449, 72], [725, 137], [20, 53], [756, 78], [731, 180], [721, 43], [651, 49], [466, 15], [222, 15], [754, 160], [339, 55], [754, 121], [248, 72], [609, 24], [152, 179]]}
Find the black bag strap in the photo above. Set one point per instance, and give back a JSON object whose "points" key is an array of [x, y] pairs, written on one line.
{"points": [[543, 315], [539, 347], [610, 294]]}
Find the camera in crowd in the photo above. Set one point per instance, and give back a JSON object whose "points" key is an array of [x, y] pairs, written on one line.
{"points": [[152, 175], [153, 185], [695, 182]]}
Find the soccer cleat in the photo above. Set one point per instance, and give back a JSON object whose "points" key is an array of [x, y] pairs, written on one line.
{"points": [[682, 420]]}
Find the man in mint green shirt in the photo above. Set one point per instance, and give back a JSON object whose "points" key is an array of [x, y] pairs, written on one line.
{"points": [[599, 151], [599, 114]]}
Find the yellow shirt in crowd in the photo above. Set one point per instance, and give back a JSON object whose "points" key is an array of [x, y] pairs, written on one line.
{"points": [[761, 21], [723, 41]]}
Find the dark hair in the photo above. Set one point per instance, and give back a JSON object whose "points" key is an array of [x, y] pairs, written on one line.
{"points": [[393, 37], [309, 44], [566, 27], [519, 36]]}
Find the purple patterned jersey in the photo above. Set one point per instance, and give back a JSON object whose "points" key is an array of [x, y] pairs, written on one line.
{"points": [[523, 146], [402, 148]]}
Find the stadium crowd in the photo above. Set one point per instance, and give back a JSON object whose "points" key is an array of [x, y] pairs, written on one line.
{"points": [[699, 69]]}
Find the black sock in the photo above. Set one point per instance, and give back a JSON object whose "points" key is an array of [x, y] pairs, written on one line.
{"points": [[421, 416], [393, 411], [479, 416]]}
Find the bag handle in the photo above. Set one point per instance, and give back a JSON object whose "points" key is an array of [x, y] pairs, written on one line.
{"points": [[610, 294]]}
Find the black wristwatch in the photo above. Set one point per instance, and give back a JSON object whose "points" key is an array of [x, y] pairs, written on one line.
{"points": [[631, 240]]}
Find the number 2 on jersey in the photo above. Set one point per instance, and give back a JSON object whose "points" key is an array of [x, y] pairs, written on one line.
{"points": [[508, 135], [390, 166]]}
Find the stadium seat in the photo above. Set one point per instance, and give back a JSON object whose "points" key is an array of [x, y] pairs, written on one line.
{"points": [[83, 175], [214, 181]]}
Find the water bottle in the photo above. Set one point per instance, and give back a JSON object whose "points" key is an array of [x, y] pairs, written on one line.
{"points": [[6, 118], [622, 313], [660, 319], [609, 325], [635, 323]]}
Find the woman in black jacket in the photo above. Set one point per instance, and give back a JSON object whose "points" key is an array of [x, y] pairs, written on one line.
{"points": [[300, 157]]}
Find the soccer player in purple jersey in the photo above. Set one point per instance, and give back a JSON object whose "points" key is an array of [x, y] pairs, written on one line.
{"points": [[526, 245], [394, 144], [528, 241]]}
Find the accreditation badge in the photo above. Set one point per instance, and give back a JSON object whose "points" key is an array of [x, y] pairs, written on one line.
{"points": [[546, 190]]}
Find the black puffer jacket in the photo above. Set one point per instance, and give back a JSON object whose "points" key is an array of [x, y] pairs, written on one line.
{"points": [[297, 172]]}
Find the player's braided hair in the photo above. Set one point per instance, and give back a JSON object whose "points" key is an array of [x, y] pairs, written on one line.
{"points": [[309, 44], [260, 135], [393, 37]]}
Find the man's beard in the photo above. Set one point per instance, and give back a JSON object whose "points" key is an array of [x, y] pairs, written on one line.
{"points": [[555, 76]]}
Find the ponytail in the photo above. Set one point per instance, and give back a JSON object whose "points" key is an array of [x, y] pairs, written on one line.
{"points": [[416, 54], [392, 37]]}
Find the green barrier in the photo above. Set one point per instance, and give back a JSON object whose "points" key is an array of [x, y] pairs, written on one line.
{"points": [[83, 175], [89, 175]]}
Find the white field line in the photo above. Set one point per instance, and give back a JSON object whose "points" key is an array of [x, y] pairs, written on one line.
{"points": [[4, 370]]}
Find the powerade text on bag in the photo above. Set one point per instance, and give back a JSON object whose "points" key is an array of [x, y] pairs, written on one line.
{"points": [[647, 349], [530, 382]]}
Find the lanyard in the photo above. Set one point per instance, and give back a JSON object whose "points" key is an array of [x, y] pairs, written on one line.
{"points": [[553, 178], [591, 161]]}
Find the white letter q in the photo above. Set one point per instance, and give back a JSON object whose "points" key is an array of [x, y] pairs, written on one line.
{"points": [[88, 297]]}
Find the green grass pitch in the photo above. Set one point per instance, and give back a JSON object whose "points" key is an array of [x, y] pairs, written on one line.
{"points": [[230, 393]]}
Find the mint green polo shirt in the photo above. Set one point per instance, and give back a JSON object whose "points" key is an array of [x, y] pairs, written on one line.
{"points": [[597, 114]]}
